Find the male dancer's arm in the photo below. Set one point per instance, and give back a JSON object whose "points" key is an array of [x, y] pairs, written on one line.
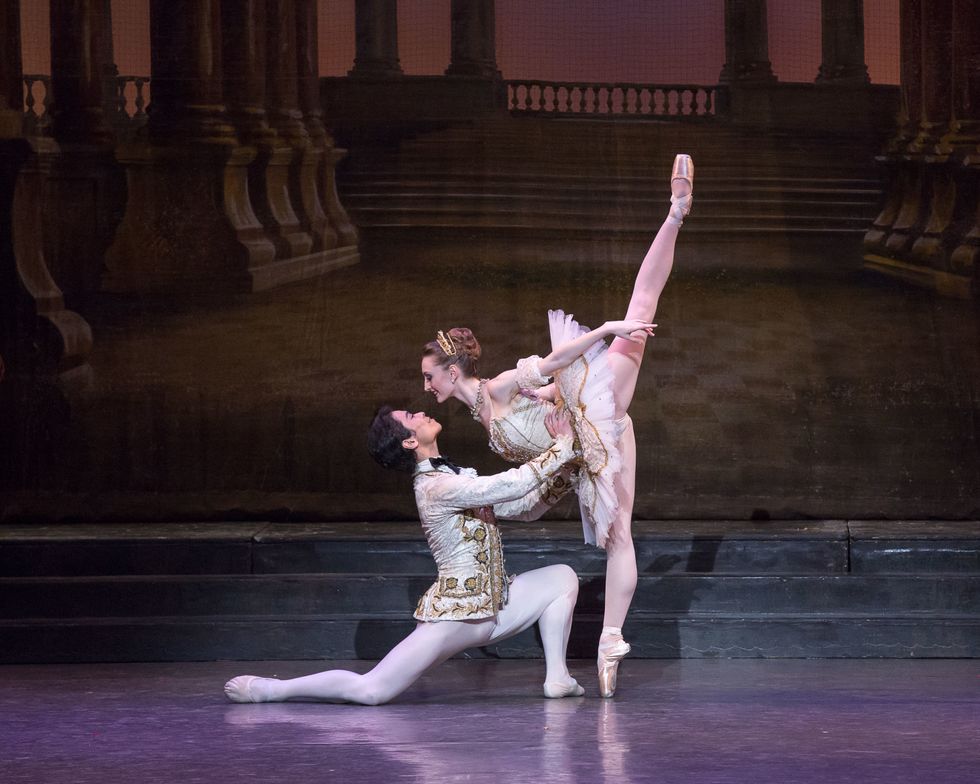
{"points": [[539, 500], [465, 492]]}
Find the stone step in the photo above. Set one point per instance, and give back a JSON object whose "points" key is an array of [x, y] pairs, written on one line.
{"points": [[243, 548], [914, 546], [415, 208], [571, 226], [808, 547], [502, 185], [716, 547], [127, 548], [327, 594], [370, 637]]}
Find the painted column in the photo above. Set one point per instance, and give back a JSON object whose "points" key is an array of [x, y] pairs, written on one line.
{"points": [[11, 75], [937, 73], [842, 43], [963, 138], [243, 61], [283, 162], [189, 222], [964, 131], [376, 38], [185, 63], [473, 35], [78, 72], [746, 42], [308, 70], [908, 177], [38, 334]]}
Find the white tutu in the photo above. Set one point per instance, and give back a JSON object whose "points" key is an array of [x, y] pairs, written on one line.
{"points": [[586, 387]]}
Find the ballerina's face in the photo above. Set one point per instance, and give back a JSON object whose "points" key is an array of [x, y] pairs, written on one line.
{"points": [[436, 380]]}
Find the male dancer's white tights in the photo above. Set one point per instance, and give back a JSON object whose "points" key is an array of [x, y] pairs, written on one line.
{"points": [[546, 596]]}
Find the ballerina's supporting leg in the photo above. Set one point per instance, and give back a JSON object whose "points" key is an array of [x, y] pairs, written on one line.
{"points": [[546, 596]]}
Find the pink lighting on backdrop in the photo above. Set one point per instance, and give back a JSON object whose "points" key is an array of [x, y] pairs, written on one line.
{"points": [[566, 40]]}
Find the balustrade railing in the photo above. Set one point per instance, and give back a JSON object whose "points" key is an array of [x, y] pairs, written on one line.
{"points": [[37, 104], [612, 100], [125, 105]]}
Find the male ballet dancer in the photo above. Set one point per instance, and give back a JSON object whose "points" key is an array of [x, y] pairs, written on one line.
{"points": [[473, 602]]}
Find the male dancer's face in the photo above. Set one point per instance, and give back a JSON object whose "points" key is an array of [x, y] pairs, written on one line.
{"points": [[424, 428]]}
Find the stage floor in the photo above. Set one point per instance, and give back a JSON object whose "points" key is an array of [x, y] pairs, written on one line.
{"points": [[707, 721]]}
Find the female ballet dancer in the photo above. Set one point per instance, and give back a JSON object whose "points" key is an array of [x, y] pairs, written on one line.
{"points": [[596, 383]]}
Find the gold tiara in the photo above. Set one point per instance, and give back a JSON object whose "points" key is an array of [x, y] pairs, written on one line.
{"points": [[446, 344]]}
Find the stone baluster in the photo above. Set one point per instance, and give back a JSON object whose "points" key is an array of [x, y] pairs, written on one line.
{"points": [[376, 39], [842, 43], [473, 39], [746, 42]]}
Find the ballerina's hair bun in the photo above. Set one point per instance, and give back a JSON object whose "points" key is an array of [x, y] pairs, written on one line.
{"points": [[458, 347], [466, 342]]}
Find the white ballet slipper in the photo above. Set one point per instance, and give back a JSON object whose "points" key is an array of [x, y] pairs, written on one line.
{"points": [[239, 689], [555, 690]]}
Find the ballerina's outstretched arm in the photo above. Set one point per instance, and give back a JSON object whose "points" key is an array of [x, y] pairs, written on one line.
{"points": [[506, 385]]}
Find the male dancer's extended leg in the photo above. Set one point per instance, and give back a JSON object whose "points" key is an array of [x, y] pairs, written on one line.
{"points": [[540, 595]]}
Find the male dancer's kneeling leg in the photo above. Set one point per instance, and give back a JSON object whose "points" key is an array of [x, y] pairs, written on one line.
{"points": [[471, 604]]}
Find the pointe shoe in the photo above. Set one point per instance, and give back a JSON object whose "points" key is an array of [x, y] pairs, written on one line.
{"points": [[239, 689], [609, 659], [681, 205], [557, 689]]}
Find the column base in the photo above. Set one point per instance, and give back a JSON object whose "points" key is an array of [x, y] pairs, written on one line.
{"points": [[188, 221], [39, 334], [271, 194]]}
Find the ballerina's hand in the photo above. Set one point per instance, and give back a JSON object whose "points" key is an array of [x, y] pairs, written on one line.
{"points": [[559, 422], [633, 330]]}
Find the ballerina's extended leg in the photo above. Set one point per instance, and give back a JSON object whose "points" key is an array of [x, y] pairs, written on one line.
{"points": [[625, 358]]}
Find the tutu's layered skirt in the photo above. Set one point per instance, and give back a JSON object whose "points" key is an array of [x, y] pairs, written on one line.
{"points": [[586, 387]]}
